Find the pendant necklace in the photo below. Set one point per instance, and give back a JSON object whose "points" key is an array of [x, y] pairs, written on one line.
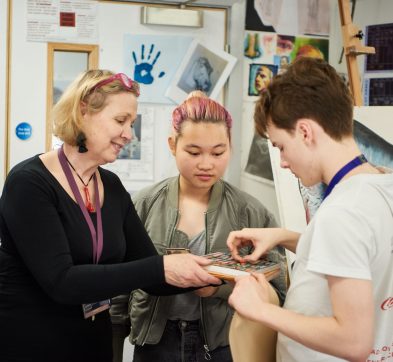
{"points": [[89, 204]]}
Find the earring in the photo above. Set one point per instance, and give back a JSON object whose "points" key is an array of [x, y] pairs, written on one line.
{"points": [[81, 142]]}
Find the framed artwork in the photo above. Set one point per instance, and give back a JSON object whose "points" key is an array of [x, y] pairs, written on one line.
{"points": [[65, 62], [202, 69], [260, 76]]}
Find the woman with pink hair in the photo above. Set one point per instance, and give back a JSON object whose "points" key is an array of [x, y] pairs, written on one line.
{"points": [[194, 211]]}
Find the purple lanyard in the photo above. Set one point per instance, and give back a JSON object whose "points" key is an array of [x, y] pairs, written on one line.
{"points": [[97, 240], [357, 161]]}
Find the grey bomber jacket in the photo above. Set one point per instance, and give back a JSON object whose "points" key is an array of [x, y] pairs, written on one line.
{"points": [[229, 209]]}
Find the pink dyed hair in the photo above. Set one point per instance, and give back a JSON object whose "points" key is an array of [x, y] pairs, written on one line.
{"points": [[199, 108]]}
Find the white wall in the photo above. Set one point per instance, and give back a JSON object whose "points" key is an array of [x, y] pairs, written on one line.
{"points": [[28, 88], [3, 70], [28, 82], [29, 76], [118, 19]]}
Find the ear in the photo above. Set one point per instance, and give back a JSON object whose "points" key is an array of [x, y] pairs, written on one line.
{"points": [[83, 107], [305, 130], [172, 145]]}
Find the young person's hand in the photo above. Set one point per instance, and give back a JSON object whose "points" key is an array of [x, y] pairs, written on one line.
{"points": [[249, 294], [262, 240], [186, 270]]}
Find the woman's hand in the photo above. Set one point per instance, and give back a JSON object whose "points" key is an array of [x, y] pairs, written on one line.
{"points": [[186, 270]]}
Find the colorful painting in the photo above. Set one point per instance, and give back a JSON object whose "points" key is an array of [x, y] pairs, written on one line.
{"points": [[259, 77], [261, 46], [310, 47], [285, 44]]}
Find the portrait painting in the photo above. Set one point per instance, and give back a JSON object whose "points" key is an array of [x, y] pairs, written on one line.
{"points": [[201, 69], [282, 62], [310, 47], [260, 76]]}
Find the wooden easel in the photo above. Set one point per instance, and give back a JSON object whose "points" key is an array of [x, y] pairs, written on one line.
{"points": [[352, 48]]}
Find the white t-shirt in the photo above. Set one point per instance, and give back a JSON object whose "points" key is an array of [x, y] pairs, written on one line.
{"points": [[350, 236]]}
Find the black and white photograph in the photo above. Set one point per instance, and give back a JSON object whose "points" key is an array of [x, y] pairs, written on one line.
{"points": [[201, 69], [132, 150]]}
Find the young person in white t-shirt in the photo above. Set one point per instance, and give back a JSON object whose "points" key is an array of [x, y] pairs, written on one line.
{"points": [[340, 302]]}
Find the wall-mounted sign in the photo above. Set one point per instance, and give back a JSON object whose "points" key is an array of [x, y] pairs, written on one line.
{"points": [[23, 131]]}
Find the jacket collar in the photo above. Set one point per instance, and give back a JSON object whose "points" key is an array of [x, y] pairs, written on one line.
{"points": [[215, 197]]}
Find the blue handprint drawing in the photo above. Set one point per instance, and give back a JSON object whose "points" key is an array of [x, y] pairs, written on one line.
{"points": [[143, 70]]}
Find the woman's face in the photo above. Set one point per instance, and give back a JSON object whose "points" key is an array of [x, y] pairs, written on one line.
{"points": [[109, 130], [202, 153]]}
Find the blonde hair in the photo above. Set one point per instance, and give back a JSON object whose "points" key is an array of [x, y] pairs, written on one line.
{"points": [[67, 114], [197, 108]]}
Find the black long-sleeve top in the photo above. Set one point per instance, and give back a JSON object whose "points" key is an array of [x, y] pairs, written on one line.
{"points": [[46, 259]]}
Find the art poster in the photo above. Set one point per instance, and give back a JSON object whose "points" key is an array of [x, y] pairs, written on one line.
{"points": [[202, 68], [261, 46], [62, 21], [313, 17], [135, 160], [152, 61], [380, 37], [308, 17], [267, 54], [260, 76], [310, 47], [378, 91]]}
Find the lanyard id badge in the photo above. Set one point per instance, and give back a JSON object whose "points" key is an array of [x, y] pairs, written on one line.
{"points": [[89, 309]]}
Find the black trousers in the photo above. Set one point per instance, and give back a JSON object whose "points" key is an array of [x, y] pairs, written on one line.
{"points": [[181, 342]]}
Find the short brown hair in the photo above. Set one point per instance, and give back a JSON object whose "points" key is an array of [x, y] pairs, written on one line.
{"points": [[310, 88], [67, 115]]}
